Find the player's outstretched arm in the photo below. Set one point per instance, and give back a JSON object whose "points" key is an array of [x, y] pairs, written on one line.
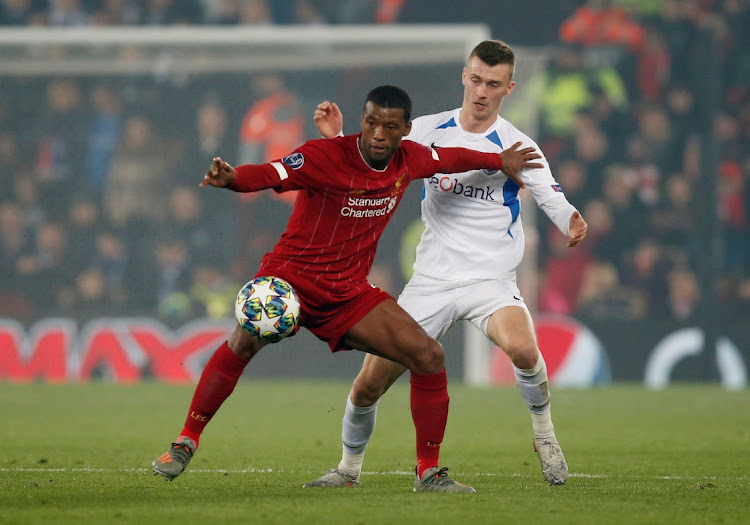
{"points": [[516, 160], [221, 174], [328, 119], [578, 229]]}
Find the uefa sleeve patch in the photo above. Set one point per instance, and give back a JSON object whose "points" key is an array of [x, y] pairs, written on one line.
{"points": [[294, 161], [557, 187]]}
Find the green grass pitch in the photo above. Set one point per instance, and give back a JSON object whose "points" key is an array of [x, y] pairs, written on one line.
{"points": [[82, 453]]}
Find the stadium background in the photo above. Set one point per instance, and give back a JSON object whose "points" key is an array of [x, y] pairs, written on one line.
{"points": [[115, 266]]}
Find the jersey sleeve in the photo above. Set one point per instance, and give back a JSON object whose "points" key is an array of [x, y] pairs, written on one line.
{"points": [[429, 161], [547, 192], [256, 177], [304, 168]]}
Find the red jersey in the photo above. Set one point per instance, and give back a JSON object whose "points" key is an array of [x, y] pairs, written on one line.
{"points": [[343, 204]]}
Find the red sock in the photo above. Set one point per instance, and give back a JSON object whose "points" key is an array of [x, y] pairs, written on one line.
{"points": [[429, 410], [217, 381]]}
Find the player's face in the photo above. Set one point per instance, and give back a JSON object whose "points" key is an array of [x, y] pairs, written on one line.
{"points": [[485, 87], [382, 131]]}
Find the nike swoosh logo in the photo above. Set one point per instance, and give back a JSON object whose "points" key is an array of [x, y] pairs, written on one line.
{"points": [[517, 298], [433, 146]]}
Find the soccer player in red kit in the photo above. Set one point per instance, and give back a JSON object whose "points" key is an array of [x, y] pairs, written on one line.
{"points": [[348, 189]]}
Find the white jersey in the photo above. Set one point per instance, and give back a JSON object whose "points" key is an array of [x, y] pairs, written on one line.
{"points": [[473, 219]]}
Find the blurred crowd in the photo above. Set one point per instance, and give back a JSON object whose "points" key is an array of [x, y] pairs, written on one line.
{"points": [[101, 215], [624, 124], [224, 12]]}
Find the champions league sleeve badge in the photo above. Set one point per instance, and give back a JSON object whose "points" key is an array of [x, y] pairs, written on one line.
{"points": [[294, 161]]}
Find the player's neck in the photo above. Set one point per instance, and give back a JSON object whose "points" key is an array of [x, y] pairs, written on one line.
{"points": [[472, 125]]}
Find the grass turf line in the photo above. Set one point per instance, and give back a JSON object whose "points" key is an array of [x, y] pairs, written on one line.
{"points": [[82, 452]]}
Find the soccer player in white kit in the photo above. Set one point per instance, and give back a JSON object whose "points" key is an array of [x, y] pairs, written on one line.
{"points": [[467, 257]]}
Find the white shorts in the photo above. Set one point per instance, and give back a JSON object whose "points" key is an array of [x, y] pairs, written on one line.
{"points": [[437, 304]]}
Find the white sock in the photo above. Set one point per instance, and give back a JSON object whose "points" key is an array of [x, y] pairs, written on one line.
{"points": [[543, 427], [356, 430], [534, 388]]}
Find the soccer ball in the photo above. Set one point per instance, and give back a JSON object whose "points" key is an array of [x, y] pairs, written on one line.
{"points": [[268, 308]]}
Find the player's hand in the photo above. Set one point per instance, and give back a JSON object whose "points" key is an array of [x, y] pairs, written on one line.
{"points": [[328, 119], [220, 174], [516, 160], [578, 229]]}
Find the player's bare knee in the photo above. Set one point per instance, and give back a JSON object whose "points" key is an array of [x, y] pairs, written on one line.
{"points": [[366, 392], [429, 358], [524, 357], [243, 344]]}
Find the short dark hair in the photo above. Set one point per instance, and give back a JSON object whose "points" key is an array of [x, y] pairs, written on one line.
{"points": [[391, 97], [494, 52]]}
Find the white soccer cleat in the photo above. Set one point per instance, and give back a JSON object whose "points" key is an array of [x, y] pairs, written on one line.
{"points": [[554, 467]]}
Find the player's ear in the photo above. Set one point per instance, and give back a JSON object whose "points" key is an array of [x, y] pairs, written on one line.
{"points": [[510, 87], [408, 128]]}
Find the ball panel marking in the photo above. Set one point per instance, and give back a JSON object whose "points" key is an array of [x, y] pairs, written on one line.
{"points": [[267, 308]]}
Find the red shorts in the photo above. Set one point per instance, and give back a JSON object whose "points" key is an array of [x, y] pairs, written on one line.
{"points": [[327, 315]]}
